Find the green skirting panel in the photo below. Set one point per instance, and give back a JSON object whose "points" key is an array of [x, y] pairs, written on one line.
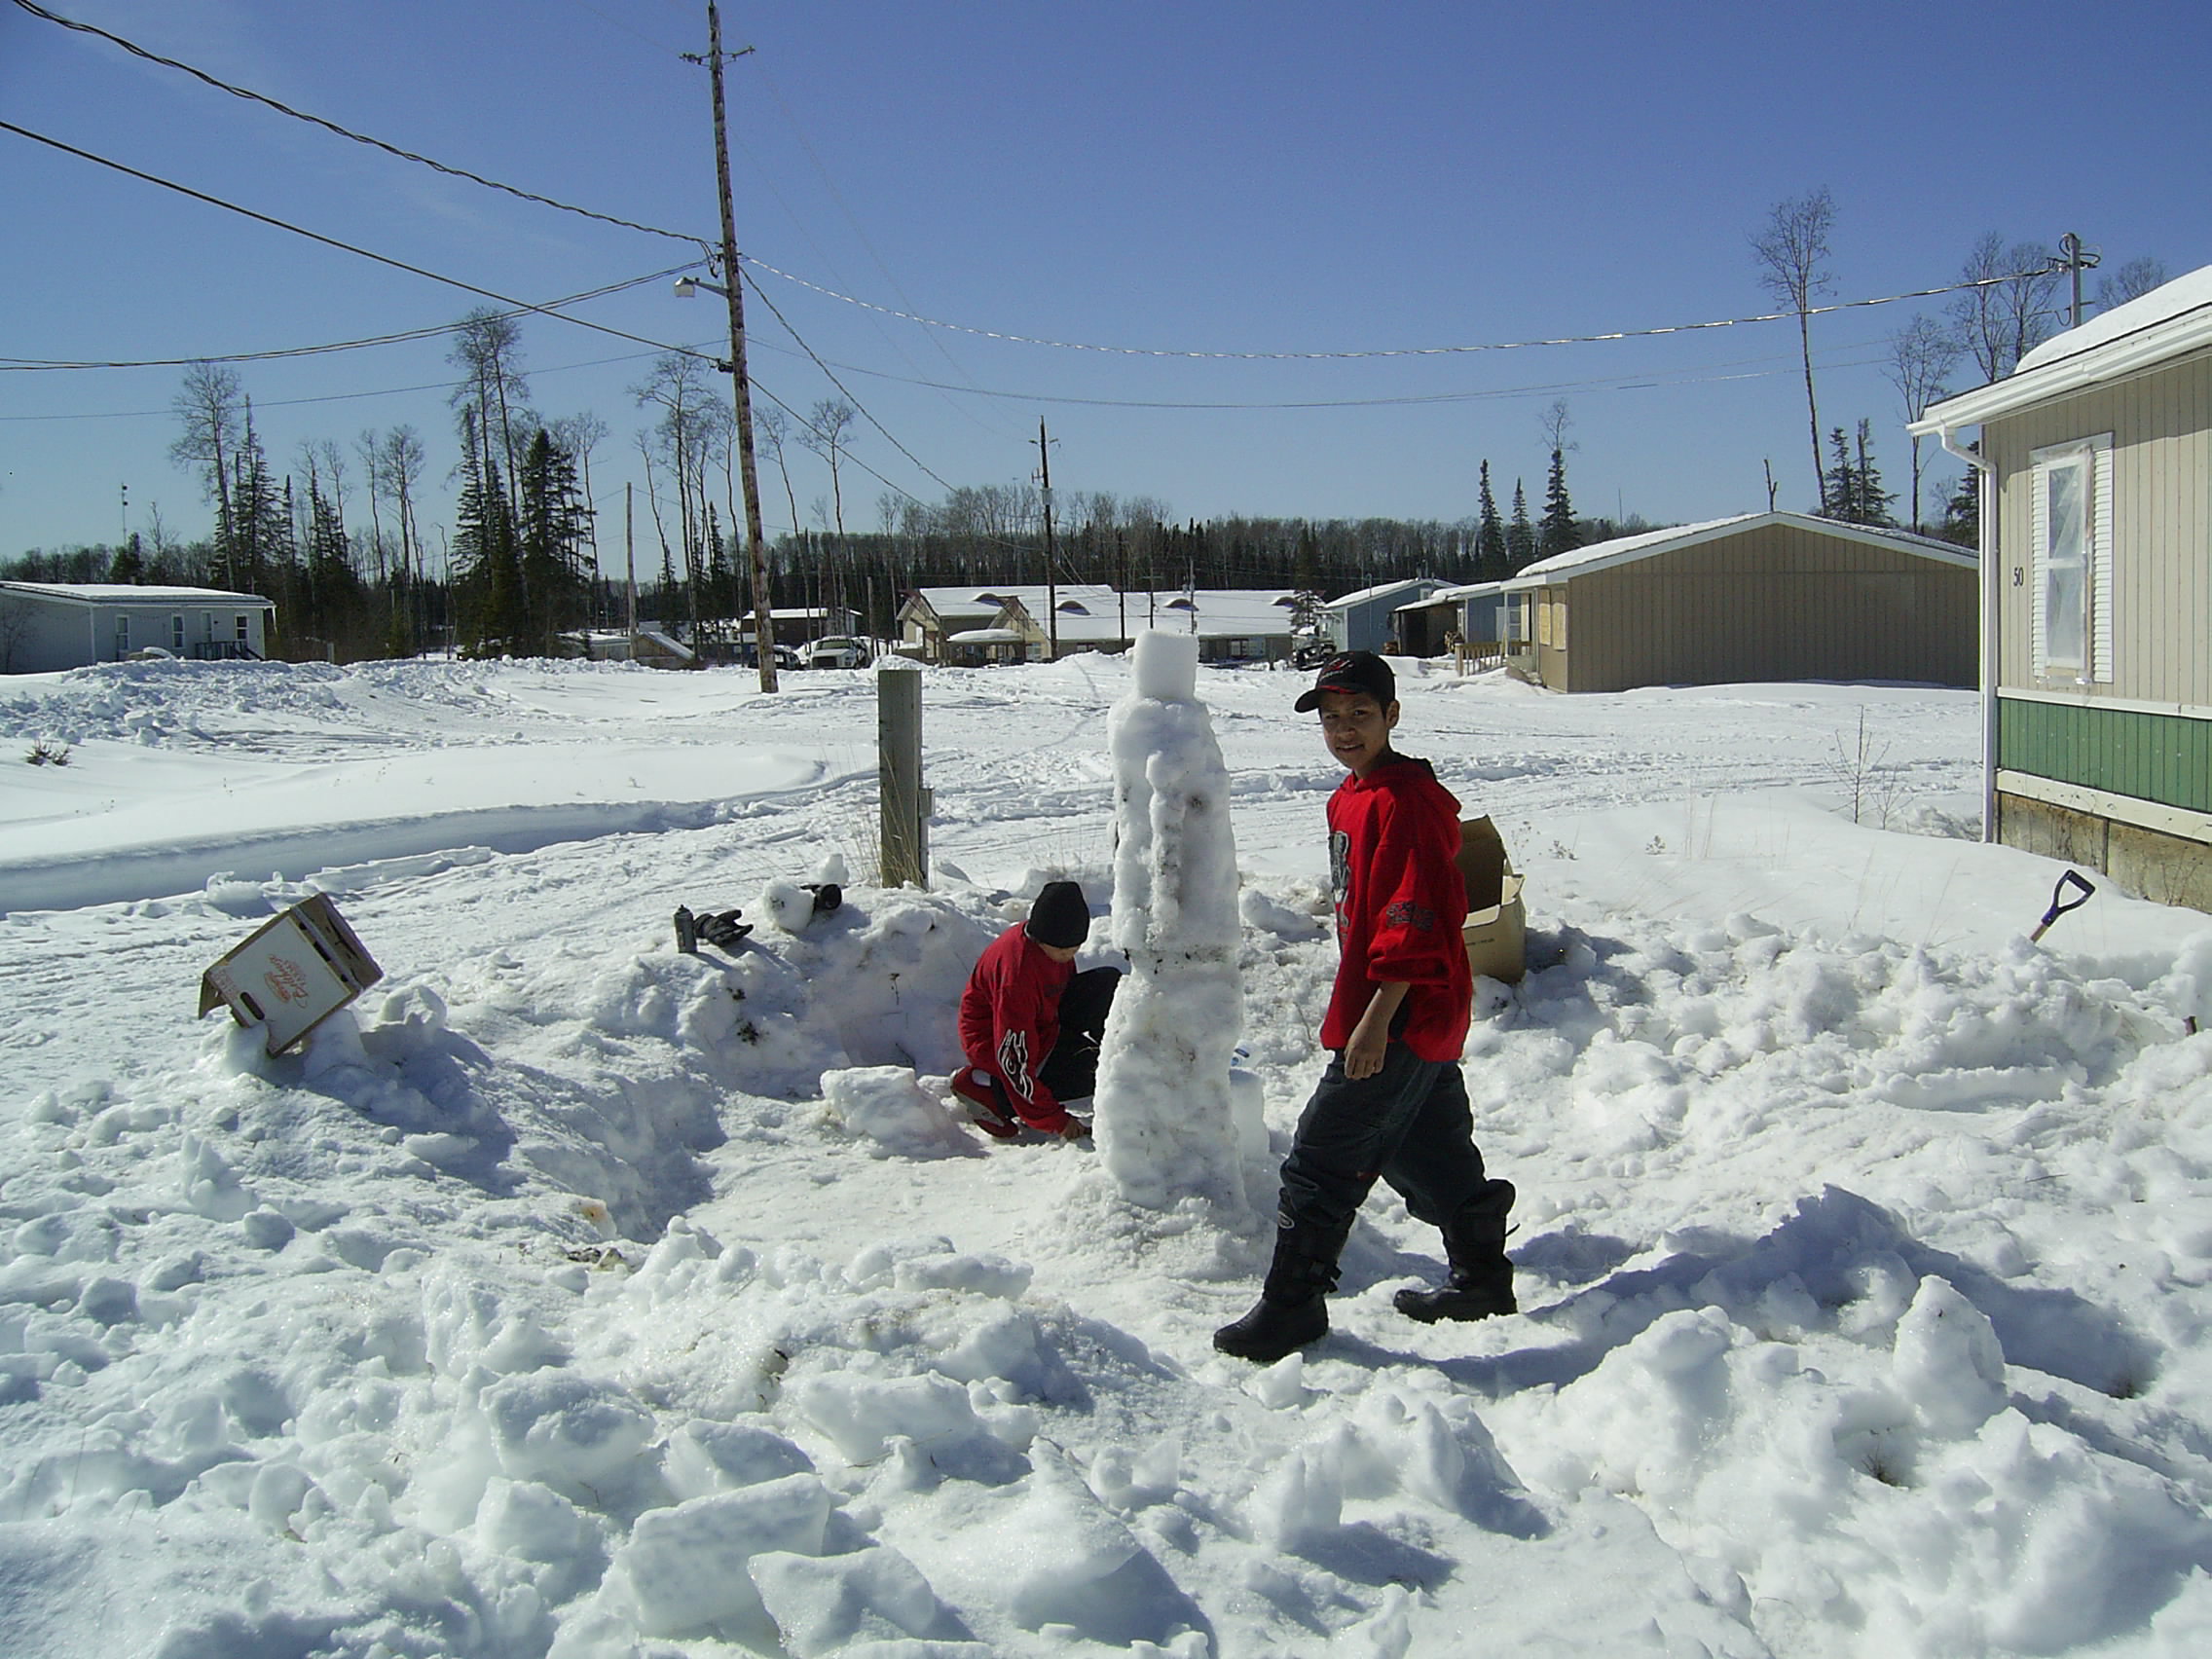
{"points": [[2165, 758]]}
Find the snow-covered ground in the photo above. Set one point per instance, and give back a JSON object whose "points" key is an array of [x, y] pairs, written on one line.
{"points": [[572, 1295]]}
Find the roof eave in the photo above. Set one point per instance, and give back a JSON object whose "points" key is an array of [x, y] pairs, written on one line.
{"points": [[2114, 359]]}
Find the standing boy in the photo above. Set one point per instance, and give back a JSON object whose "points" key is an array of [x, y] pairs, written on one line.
{"points": [[1030, 1024], [1391, 1104]]}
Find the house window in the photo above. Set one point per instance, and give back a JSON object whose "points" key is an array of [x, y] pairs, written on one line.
{"points": [[1558, 624], [1543, 623], [176, 632], [2073, 590], [246, 632], [122, 637]]}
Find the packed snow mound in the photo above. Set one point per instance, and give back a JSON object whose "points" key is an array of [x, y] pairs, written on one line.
{"points": [[572, 1295]]}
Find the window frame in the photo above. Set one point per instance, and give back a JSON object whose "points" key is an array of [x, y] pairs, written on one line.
{"points": [[2092, 457]]}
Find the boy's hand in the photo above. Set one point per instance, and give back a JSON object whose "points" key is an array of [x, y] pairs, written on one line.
{"points": [[1363, 1054], [1075, 1129]]}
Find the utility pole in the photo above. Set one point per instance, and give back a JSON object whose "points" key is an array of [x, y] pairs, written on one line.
{"points": [[733, 286], [2074, 257], [630, 553], [1052, 585]]}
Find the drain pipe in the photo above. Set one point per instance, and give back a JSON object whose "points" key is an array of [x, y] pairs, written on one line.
{"points": [[1991, 590]]}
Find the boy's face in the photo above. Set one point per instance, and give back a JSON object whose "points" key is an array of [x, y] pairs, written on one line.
{"points": [[1057, 952], [1357, 728]]}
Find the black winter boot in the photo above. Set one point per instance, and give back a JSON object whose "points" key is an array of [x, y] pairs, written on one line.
{"points": [[1273, 1329], [1293, 1308], [1481, 1284]]}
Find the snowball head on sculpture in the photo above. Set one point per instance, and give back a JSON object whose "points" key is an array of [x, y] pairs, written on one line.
{"points": [[1166, 1110]]}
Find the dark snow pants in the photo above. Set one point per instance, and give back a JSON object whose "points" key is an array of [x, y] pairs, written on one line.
{"points": [[1071, 1070], [1409, 1125]]}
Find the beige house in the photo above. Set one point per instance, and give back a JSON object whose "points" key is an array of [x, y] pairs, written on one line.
{"points": [[1764, 596], [2096, 458]]}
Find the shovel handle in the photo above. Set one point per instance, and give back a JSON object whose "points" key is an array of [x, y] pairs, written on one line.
{"points": [[2061, 903]]}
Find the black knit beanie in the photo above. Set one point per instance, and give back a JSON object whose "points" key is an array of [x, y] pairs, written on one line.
{"points": [[1060, 916]]}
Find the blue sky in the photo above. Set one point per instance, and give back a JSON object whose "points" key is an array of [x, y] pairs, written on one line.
{"points": [[1204, 177]]}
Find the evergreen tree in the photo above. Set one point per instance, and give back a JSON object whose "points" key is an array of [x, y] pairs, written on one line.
{"points": [[1520, 533], [1852, 483], [1875, 501], [486, 558], [553, 531], [1839, 485], [129, 566], [1962, 513], [1557, 533], [1491, 561]]}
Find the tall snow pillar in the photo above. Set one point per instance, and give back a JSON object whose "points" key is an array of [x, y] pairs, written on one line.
{"points": [[1165, 1123]]}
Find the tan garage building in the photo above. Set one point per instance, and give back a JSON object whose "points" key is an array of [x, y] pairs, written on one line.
{"points": [[1769, 596]]}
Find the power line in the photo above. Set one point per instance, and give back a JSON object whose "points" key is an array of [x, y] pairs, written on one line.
{"points": [[841, 386], [20, 365], [1380, 351], [252, 96], [343, 246]]}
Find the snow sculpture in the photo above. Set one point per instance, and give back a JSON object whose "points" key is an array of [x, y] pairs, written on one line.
{"points": [[1165, 1122]]}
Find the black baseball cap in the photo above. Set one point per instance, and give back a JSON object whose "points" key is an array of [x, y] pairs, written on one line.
{"points": [[1352, 671]]}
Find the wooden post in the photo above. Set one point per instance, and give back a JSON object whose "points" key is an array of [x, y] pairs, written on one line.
{"points": [[903, 853]]}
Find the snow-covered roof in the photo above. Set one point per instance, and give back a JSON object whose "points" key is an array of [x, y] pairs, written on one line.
{"points": [[2167, 321], [1381, 590], [986, 637], [1470, 590], [1627, 550], [126, 593], [988, 598]]}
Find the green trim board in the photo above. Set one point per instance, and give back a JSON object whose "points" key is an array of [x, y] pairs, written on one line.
{"points": [[2165, 758]]}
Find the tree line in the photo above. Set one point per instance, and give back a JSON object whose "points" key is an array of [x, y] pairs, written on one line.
{"points": [[522, 568]]}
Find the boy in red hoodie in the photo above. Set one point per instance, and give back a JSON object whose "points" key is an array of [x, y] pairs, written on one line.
{"points": [[1030, 1024], [1391, 1104]]}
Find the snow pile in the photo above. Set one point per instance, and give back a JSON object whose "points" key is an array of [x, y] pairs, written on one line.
{"points": [[569, 1296], [1166, 1120]]}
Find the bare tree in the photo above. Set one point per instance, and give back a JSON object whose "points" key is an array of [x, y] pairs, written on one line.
{"points": [[211, 406], [1793, 251], [1921, 355], [577, 436], [2012, 307], [771, 427], [828, 423], [488, 350], [2131, 281]]}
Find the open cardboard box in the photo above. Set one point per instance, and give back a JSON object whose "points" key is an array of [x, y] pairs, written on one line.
{"points": [[1497, 929], [300, 967]]}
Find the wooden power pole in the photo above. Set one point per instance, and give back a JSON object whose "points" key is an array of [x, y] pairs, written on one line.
{"points": [[1052, 583], [733, 287]]}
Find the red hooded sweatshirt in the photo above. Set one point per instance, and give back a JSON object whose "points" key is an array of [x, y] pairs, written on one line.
{"points": [[1010, 1020], [1401, 902]]}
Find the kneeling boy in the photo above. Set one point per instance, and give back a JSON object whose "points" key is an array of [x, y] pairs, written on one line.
{"points": [[1030, 1024]]}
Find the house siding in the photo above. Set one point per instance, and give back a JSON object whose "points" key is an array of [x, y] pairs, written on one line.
{"points": [[2162, 522], [2166, 759]]}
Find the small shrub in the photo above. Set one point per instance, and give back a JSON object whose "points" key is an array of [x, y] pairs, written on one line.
{"points": [[45, 754]]}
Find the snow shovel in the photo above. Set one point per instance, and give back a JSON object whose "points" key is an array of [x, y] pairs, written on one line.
{"points": [[2061, 903]]}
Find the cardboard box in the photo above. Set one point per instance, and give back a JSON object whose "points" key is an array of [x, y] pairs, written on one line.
{"points": [[1497, 929], [298, 969]]}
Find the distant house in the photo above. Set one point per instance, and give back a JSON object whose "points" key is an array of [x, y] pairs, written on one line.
{"points": [[931, 616], [1025, 624], [1759, 597], [2096, 458], [1479, 613], [46, 627], [1367, 621]]}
